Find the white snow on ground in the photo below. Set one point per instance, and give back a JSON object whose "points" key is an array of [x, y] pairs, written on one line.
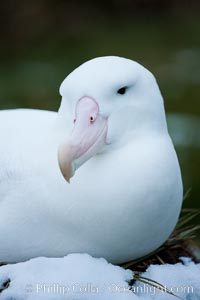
{"points": [[81, 277], [182, 280]]}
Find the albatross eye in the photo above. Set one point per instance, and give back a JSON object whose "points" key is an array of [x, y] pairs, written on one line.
{"points": [[122, 90]]}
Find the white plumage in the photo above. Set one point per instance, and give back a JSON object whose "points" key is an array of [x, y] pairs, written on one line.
{"points": [[125, 197]]}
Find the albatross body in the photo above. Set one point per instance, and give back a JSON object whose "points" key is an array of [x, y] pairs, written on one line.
{"points": [[101, 176]]}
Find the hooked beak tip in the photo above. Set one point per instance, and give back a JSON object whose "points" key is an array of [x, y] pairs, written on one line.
{"points": [[65, 163], [68, 180], [67, 176]]}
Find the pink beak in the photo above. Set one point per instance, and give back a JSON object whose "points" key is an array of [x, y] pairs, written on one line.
{"points": [[87, 138]]}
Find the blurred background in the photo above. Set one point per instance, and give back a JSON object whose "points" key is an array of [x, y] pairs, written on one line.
{"points": [[42, 41]]}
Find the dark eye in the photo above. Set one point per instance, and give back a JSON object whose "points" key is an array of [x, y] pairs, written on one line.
{"points": [[122, 90]]}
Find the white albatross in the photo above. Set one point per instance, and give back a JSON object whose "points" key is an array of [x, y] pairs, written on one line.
{"points": [[110, 134]]}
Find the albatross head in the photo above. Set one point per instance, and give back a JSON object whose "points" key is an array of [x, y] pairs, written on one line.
{"points": [[106, 101]]}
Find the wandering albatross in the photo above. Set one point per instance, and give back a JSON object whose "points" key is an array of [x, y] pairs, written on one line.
{"points": [[101, 176]]}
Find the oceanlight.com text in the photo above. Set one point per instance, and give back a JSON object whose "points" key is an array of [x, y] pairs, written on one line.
{"points": [[90, 288]]}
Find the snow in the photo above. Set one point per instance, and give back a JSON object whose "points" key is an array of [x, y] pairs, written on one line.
{"points": [[181, 279], [82, 277]]}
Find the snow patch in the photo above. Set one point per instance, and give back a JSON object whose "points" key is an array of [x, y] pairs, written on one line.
{"points": [[82, 277]]}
